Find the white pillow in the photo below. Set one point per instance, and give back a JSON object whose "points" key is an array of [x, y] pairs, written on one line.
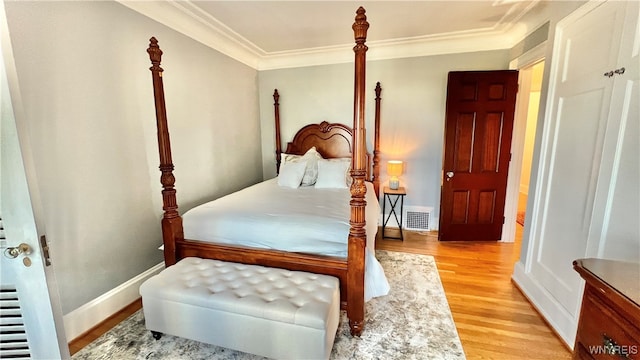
{"points": [[348, 177], [332, 174], [291, 174], [311, 171]]}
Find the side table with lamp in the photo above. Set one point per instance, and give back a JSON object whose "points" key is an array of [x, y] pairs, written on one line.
{"points": [[392, 194]]}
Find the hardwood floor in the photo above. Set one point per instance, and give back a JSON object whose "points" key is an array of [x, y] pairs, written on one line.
{"points": [[85, 339], [494, 320]]}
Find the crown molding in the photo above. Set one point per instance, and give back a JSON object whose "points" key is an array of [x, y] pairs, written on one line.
{"points": [[190, 20], [394, 49]]}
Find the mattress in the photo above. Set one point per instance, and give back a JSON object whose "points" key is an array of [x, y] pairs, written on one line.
{"points": [[305, 220]]}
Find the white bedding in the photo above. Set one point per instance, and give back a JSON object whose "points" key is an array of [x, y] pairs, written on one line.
{"points": [[306, 220]]}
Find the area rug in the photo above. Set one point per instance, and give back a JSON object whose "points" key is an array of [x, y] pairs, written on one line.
{"points": [[412, 322]]}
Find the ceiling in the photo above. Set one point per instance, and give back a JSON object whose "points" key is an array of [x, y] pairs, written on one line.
{"points": [[275, 26], [271, 34]]}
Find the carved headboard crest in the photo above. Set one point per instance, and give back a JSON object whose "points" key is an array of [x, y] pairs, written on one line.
{"points": [[332, 140]]}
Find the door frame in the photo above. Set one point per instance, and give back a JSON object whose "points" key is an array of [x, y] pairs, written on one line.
{"points": [[526, 60]]}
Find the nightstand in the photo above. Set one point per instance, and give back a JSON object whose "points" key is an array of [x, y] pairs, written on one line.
{"points": [[392, 196], [609, 322]]}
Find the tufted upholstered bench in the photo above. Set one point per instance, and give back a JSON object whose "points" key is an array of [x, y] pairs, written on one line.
{"points": [[265, 311]]}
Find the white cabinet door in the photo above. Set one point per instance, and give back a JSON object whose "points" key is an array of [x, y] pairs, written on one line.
{"points": [[587, 193], [572, 150], [620, 237]]}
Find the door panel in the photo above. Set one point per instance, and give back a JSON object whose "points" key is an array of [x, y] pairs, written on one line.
{"points": [[575, 164], [573, 176], [621, 237], [478, 126]]}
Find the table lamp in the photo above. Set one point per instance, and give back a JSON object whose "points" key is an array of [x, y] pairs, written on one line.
{"points": [[394, 169]]}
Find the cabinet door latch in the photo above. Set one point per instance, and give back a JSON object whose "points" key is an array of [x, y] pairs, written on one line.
{"points": [[45, 250]]}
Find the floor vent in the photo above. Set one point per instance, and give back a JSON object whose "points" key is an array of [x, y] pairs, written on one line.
{"points": [[13, 336], [417, 218]]}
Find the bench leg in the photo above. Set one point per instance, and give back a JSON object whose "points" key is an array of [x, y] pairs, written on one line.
{"points": [[156, 335]]}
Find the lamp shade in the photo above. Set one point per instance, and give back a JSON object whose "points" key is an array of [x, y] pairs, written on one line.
{"points": [[394, 168]]}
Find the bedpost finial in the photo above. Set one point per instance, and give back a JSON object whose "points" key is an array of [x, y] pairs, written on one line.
{"points": [[276, 96], [155, 54], [378, 89], [360, 27]]}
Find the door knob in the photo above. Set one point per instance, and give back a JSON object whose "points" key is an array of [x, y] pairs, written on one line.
{"points": [[14, 252], [449, 175]]}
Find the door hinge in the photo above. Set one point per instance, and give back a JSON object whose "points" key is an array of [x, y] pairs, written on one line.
{"points": [[45, 250], [503, 220], [510, 156]]}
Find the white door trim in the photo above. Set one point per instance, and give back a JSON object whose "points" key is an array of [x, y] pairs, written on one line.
{"points": [[518, 139]]}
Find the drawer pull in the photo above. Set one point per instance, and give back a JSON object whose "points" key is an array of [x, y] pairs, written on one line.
{"points": [[612, 348]]}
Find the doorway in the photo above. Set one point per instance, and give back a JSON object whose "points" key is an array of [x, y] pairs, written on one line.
{"points": [[532, 92], [531, 67]]}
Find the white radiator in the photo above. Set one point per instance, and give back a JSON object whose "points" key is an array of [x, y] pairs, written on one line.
{"points": [[417, 218]]}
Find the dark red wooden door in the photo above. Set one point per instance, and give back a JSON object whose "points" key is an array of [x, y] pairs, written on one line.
{"points": [[478, 127]]}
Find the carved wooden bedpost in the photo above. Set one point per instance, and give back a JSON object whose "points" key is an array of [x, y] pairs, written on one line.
{"points": [[376, 145], [171, 221], [276, 106], [357, 232]]}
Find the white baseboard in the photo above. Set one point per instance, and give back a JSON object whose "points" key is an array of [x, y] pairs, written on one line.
{"points": [[564, 324], [96, 311]]}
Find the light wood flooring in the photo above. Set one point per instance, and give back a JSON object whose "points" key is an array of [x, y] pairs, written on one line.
{"points": [[494, 320]]}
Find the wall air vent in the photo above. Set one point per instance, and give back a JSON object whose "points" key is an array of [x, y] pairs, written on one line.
{"points": [[13, 336], [417, 218]]}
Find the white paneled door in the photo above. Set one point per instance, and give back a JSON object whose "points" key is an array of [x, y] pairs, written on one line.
{"points": [[581, 149], [574, 141], [29, 302], [620, 237]]}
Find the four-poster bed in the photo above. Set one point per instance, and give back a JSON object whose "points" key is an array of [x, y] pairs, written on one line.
{"points": [[332, 141]]}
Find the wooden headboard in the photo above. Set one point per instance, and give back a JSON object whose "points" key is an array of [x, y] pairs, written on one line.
{"points": [[332, 140]]}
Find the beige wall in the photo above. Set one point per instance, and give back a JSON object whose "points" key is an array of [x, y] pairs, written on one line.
{"points": [[88, 102]]}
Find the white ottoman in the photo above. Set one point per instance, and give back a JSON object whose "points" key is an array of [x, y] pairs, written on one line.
{"points": [[265, 311]]}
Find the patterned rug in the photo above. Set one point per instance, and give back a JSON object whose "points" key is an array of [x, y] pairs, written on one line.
{"points": [[412, 322]]}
